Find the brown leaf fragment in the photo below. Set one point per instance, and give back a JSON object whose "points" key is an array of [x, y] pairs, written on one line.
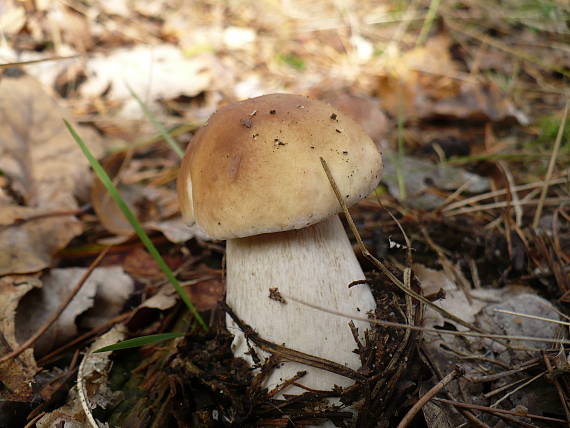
{"points": [[44, 170], [16, 375], [206, 294], [140, 265], [36, 151], [30, 246]]}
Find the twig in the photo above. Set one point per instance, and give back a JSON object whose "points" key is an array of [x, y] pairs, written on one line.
{"points": [[468, 414], [288, 353], [501, 192], [534, 317], [431, 330], [503, 388], [518, 388], [503, 204], [35, 61], [428, 396], [503, 411], [53, 356], [551, 164], [495, 376], [59, 311], [559, 389]]}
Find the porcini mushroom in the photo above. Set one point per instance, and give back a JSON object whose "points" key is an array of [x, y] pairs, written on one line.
{"points": [[252, 175]]}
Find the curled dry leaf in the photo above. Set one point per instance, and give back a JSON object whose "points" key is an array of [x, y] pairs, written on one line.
{"points": [[45, 170], [16, 374], [109, 214], [94, 377], [101, 297]]}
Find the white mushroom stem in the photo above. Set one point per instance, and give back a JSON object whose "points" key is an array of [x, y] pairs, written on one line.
{"points": [[315, 265]]}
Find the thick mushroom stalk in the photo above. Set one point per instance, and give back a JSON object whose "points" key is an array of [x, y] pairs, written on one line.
{"points": [[253, 175], [314, 264]]}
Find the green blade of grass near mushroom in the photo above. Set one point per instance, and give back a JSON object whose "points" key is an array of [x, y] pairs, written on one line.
{"points": [[253, 177]]}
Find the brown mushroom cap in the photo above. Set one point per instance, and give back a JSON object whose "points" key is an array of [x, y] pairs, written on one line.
{"points": [[255, 166]]}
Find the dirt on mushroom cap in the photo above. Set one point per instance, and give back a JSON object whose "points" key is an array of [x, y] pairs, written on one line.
{"points": [[255, 167]]}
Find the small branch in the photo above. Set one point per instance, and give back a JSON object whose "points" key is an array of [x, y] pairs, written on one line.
{"points": [[559, 389], [499, 411], [428, 396], [83, 395], [291, 354], [59, 311]]}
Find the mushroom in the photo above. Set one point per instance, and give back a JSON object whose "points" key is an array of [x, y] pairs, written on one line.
{"points": [[252, 176]]}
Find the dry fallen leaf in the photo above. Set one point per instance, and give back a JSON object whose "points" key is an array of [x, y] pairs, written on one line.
{"points": [[426, 83], [101, 297], [206, 294], [16, 374], [45, 170], [30, 246]]}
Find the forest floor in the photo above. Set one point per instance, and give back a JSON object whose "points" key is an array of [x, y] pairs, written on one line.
{"points": [[468, 102]]}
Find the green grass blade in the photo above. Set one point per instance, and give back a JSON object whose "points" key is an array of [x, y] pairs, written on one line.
{"points": [[161, 129], [106, 180], [399, 159], [137, 342]]}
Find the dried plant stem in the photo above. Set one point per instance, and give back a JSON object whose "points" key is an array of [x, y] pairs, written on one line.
{"points": [[498, 411], [426, 397], [503, 204], [35, 61], [534, 317], [59, 311], [501, 192], [53, 356], [83, 395], [435, 330], [518, 388], [551, 165], [559, 388]]}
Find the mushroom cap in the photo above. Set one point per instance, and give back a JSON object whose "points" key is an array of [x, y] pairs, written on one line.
{"points": [[255, 166]]}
